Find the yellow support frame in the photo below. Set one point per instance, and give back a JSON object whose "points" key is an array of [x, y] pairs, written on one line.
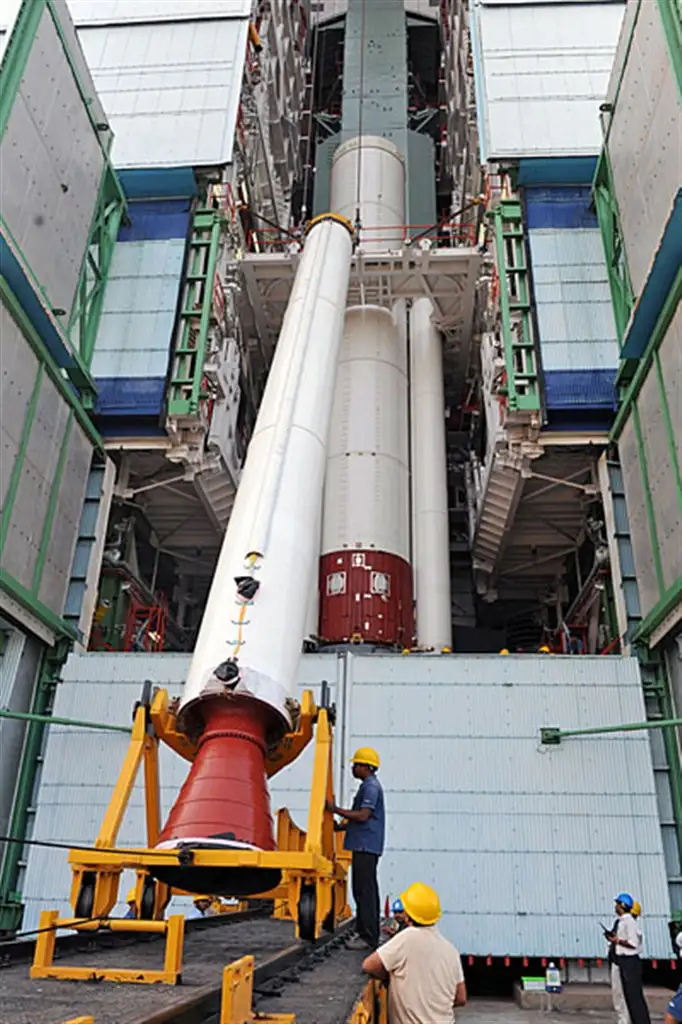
{"points": [[372, 1006], [313, 864], [236, 1004], [170, 974]]}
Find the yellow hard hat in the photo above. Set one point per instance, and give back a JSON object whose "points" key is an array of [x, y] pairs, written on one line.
{"points": [[636, 909], [132, 896], [504, 651], [544, 649], [421, 903], [365, 755], [200, 899]]}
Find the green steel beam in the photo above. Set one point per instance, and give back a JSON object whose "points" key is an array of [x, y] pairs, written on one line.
{"points": [[36, 608], [55, 374], [46, 538], [11, 909], [648, 501], [671, 16], [78, 372], [18, 467], [608, 215], [669, 429], [87, 308], [657, 335], [551, 736], [16, 56], [659, 613], [52, 720]]}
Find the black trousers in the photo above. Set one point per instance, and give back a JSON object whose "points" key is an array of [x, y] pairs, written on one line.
{"points": [[631, 976], [366, 895]]}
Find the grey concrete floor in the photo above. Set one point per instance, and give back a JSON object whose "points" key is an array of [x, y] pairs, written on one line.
{"points": [[480, 1011]]}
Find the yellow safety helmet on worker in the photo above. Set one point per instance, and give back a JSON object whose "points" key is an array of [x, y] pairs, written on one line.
{"points": [[421, 904], [366, 755], [132, 896]]}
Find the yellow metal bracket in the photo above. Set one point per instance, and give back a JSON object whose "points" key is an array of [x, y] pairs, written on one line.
{"points": [[50, 922], [236, 1005], [372, 1006]]}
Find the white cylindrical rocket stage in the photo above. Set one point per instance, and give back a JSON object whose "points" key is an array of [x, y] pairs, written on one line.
{"points": [[365, 575], [246, 659], [378, 166], [430, 527], [366, 583]]}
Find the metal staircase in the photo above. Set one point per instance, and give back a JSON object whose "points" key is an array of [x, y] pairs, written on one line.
{"points": [[496, 510], [217, 491]]}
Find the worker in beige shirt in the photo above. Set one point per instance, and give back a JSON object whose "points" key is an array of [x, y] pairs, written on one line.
{"points": [[423, 969]]}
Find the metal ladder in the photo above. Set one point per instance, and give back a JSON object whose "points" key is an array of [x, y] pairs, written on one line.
{"points": [[186, 390], [521, 388]]}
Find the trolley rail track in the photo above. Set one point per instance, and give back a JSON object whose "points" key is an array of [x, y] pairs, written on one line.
{"points": [[323, 980]]}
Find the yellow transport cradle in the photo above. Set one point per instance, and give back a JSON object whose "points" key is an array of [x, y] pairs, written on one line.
{"points": [[313, 864]]}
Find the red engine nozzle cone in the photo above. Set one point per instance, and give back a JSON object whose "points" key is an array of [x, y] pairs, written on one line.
{"points": [[224, 802]]}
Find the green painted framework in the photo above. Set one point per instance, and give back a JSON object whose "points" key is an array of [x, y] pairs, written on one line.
{"points": [[110, 209], [671, 16], [47, 368], [608, 216], [185, 388], [651, 363], [520, 351], [11, 907]]}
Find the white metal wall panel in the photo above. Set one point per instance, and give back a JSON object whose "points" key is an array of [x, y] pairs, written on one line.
{"points": [[640, 534], [116, 12], [662, 477], [139, 309], [644, 141], [52, 166], [544, 73], [474, 805], [171, 89], [671, 365], [19, 370], [573, 300], [477, 808]]}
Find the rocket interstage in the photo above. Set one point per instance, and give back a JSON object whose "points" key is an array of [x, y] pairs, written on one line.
{"points": [[365, 573], [243, 672]]}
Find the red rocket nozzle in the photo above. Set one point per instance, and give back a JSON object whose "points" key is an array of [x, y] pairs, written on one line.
{"points": [[224, 803]]}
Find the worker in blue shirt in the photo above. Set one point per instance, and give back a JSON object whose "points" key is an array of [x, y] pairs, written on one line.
{"points": [[364, 826]]}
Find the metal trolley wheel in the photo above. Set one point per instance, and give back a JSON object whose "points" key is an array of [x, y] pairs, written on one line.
{"points": [[306, 914]]}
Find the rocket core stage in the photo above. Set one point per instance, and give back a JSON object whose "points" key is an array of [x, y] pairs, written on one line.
{"points": [[243, 673]]}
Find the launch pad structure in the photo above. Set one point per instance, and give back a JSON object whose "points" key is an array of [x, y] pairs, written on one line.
{"points": [[312, 866]]}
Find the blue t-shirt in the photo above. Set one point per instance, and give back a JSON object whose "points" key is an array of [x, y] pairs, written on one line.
{"points": [[675, 1005], [368, 836]]}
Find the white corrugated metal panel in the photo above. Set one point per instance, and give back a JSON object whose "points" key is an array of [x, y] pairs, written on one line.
{"points": [[644, 141], [478, 809], [526, 846], [170, 89], [139, 309], [544, 73], [573, 300], [52, 165], [117, 12]]}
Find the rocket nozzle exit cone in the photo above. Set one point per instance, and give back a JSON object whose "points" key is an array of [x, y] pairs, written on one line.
{"points": [[224, 802]]}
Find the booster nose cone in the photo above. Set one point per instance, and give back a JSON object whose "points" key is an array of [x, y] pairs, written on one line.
{"points": [[224, 803]]}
